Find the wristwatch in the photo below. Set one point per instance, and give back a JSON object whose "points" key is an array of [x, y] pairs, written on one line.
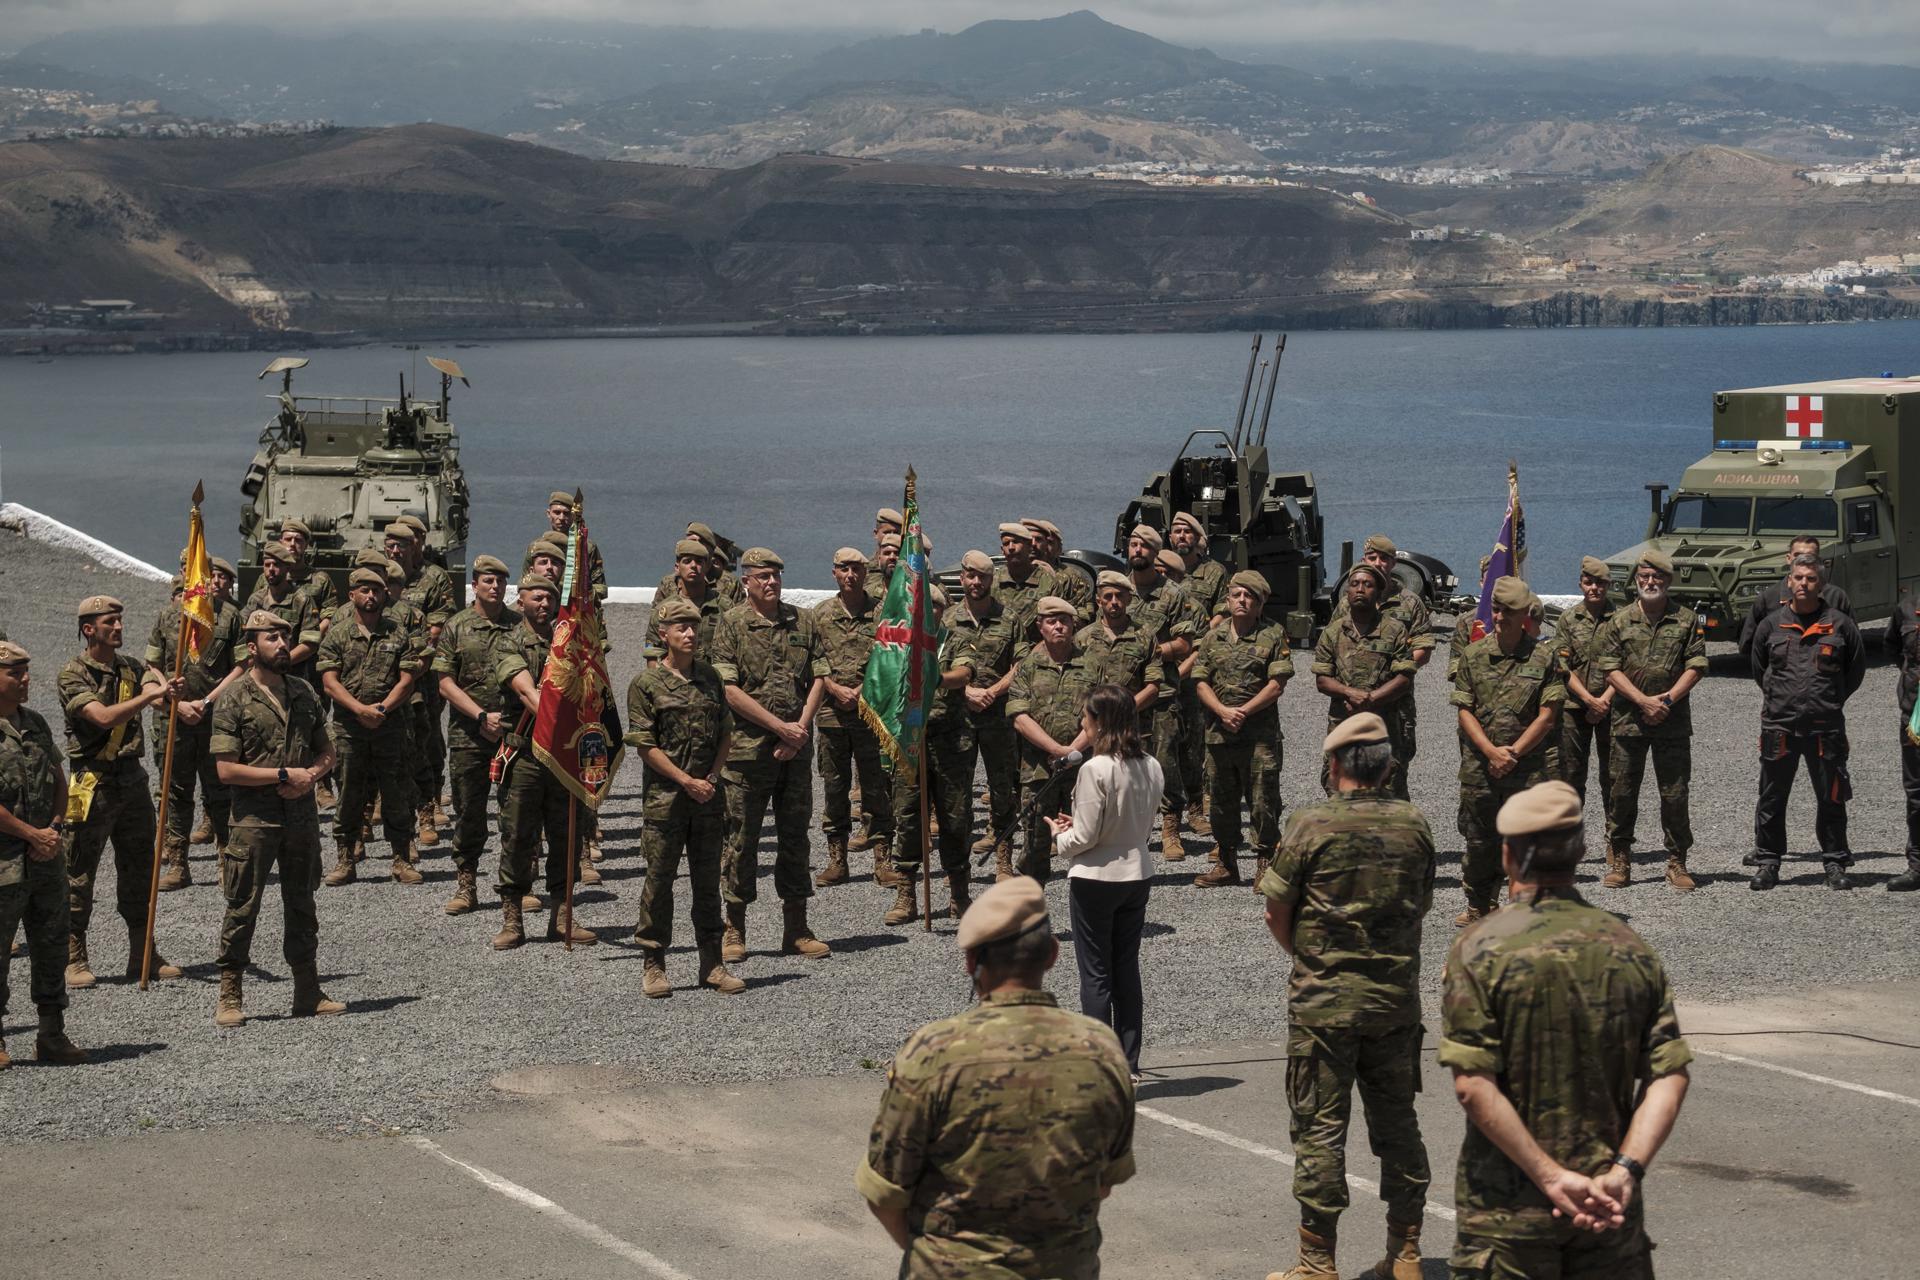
{"points": [[1666, 700], [283, 775], [1632, 1166]]}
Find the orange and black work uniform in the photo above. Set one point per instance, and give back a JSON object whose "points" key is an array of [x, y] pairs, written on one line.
{"points": [[1807, 666], [1903, 645]]}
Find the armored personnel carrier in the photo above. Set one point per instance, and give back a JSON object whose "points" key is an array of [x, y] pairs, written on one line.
{"points": [[347, 466]]}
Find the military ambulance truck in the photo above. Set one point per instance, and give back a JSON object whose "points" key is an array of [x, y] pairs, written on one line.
{"points": [[1827, 458]]}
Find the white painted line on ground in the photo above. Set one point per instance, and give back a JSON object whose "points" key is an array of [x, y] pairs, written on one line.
{"points": [[1265, 1152], [588, 1231], [1848, 1085]]}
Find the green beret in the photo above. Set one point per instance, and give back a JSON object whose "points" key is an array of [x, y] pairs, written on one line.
{"points": [[1654, 558], [1511, 593], [274, 551], [539, 582], [1595, 567], [224, 566], [690, 547]]}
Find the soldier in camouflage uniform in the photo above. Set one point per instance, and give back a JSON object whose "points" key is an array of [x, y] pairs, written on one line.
{"points": [[279, 594], [951, 753], [886, 558], [271, 745], [844, 623], [431, 590], [560, 521], [33, 876], [1509, 691], [103, 694], [688, 582], [726, 587], [368, 666], [1652, 653], [1559, 1016], [1410, 611], [1020, 582], [204, 676], [773, 664], [465, 660], [1241, 670], [886, 522], [1345, 894], [677, 719], [992, 644], [1205, 581], [297, 538], [1052, 1085], [1116, 649], [1164, 611], [1044, 703], [1048, 548], [1364, 661], [1584, 723]]}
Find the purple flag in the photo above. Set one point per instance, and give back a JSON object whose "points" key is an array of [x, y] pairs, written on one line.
{"points": [[1509, 556]]}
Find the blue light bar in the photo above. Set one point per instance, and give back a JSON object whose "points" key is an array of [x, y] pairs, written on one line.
{"points": [[1816, 446]]}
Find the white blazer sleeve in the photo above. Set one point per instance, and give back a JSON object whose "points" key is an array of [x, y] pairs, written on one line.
{"points": [[1090, 811]]}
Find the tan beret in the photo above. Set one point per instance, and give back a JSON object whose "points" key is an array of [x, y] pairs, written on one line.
{"points": [[559, 496], [1191, 521], [675, 610], [11, 654], [697, 530], [490, 564], [888, 540], [887, 515], [1546, 806], [1654, 558], [849, 555], [266, 620], [538, 582], [1511, 593], [551, 538], [1172, 561], [1253, 582], [1052, 607], [1051, 529], [1034, 523], [1356, 730], [395, 574], [94, 606], [414, 523], [761, 558], [1113, 578], [297, 526], [224, 566], [1006, 910], [274, 551], [1014, 529], [978, 561], [371, 558], [1595, 567], [398, 530], [937, 594], [1381, 544], [690, 547], [1149, 535], [1373, 571], [366, 578]]}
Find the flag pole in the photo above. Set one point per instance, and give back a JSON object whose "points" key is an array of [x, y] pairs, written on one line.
{"points": [[926, 841], [166, 779], [573, 806]]}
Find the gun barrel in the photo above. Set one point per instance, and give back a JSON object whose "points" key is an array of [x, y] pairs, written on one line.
{"points": [[1273, 383], [1246, 388]]}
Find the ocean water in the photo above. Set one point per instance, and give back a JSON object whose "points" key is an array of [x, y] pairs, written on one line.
{"points": [[793, 443]]}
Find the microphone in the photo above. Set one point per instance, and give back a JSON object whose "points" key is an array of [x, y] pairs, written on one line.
{"points": [[1069, 760]]}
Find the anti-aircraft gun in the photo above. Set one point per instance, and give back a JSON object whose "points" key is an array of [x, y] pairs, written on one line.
{"points": [[347, 466]]}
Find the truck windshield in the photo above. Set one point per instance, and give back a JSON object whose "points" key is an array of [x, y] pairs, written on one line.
{"points": [[1797, 515], [1701, 513]]}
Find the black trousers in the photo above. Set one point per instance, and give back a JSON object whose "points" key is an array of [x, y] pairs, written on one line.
{"points": [[1108, 918], [1910, 779], [1825, 753]]}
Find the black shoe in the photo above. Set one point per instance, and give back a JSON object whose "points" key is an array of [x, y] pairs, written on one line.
{"points": [[1906, 882], [1751, 860], [1837, 877], [1766, 877]]}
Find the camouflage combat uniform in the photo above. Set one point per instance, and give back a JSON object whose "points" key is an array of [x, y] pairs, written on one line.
{"points": [[469, 650], [433, 593], [533, 803], [369, 663], [1357, 870], [254, 728], [1411, 612], [846, 744], [951, 752], [726, 588], [32, 893], [299, 612], [596, 568], [991, 643], [1206, 587], [712, 609], [1076, 591], [774, 662], [108, 760], [1651, 656], [997, 1131], [1126, 657], [1244, 768], [318, 584], [192, 762], [1505, 692], [1580, 741], [1020, 601], [1053, 694], [1366, 660], [1165, 612], [1570, 1011], [687, 719]]}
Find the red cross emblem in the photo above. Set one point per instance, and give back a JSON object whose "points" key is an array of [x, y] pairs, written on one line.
{"points": [[1806, 418], [904, 635]]}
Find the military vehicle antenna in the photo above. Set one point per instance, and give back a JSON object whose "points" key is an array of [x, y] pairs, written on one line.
{"points": [[1273, 383], [1246, 386]]}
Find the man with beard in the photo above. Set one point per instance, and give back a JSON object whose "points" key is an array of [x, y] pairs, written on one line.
{"points": [[279, 593], [1364, 661], [992, 644], [886, 558]]}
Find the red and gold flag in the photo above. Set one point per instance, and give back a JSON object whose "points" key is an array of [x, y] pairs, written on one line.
{"points": [[577, 732], [196, 584]]}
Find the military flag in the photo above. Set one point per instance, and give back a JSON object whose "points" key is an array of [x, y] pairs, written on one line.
{"points": [[577, 732], [1509, 556], [903, 670], [196, 583]]}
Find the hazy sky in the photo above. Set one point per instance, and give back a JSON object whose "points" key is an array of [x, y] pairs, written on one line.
{"points": [[1865, 30]]}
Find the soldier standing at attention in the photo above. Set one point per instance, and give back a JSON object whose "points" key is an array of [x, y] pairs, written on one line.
{"points": [[279, 594], [771, 660], [844, 623], [103, 694], [368, 667], [1653, 652], [950, 759], [1115, 649], [885, 521], [204, 678], [1242, 669], [1206, 579], [1068, 585], [1903, 645], [1584, 732], [270, 742], [1050, 1084], [886, 559], [560, 521], [1407, 608], [1808, 659], [1044, 705], [431, 591], [317, 583], [1558, 1025], [1020, 582], [1364, 661], [533, 803], [724, 584], [1345, 894], [992, 644], [464, 665], [1508, 692], [33, 875], [1206, 582], [677, 719], [688, 582], [1164, 612]]}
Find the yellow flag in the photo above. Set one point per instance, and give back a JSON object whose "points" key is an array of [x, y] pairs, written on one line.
{"points": [[196, 587]]}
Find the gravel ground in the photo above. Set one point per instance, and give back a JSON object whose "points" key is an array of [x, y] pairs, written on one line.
{"points": [[435, 1013]]}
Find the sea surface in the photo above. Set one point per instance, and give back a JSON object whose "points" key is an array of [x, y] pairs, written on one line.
{"points": [[793, 443]]}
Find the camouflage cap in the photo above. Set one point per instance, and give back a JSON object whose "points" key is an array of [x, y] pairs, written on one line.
{"points": [[691, 547], [1380, 544], [887, 515], [1113, 578], [539, 582], [366, 578], [1545, 806], [978, 561], [96, 606], [1657, 560], [1149, 535], [275, 552], [1014, 529], [1252, 581], [851, 556], [1171, 561], [1511, 593], [296, 526], [1356, 730], [888, 540], [1594, 567], [11, 654], [559, 497], [224, 566], [266, 620], [1006, 910], [490, 564], [761, 558], [697, 530], [1373, 571], [1053, 607], [414, 523], [675, 610]]}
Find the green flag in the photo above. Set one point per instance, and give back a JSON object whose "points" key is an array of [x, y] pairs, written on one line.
{"points": [[903, 671]]}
